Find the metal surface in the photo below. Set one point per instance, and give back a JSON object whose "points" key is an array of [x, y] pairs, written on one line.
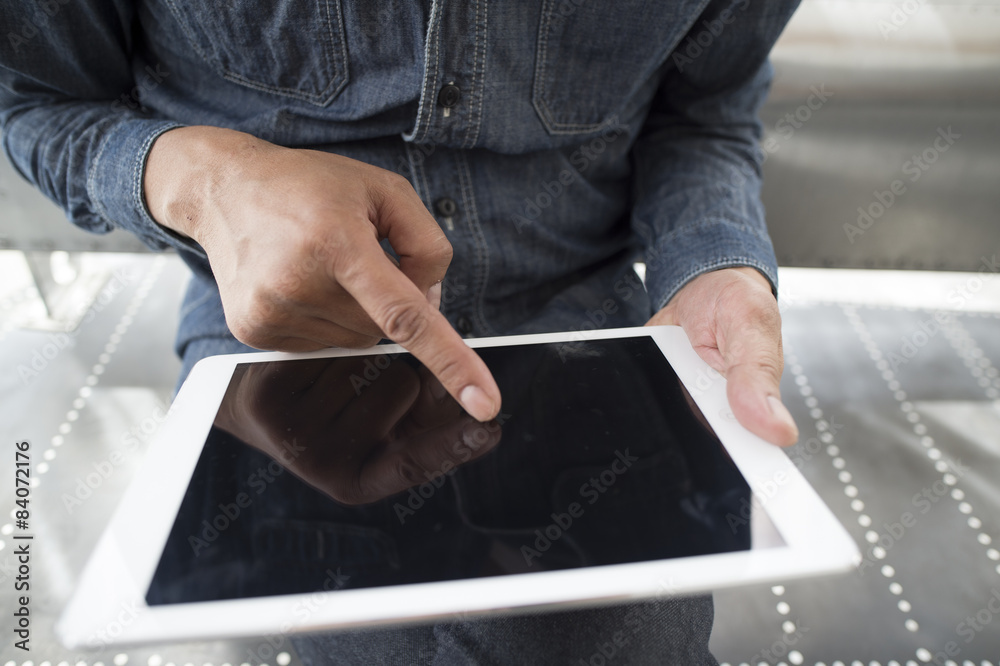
{"points": [[88, 402], [864, 95], [891, 405], [29, 221]]}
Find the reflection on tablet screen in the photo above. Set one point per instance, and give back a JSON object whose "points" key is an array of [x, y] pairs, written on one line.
{"points": [[354, 472]]}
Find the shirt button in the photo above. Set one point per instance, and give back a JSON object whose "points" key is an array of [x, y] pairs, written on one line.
{"points": [[446, 207], [463, 325], [449, 95]]}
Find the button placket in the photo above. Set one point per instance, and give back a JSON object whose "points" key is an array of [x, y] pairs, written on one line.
{"points": [[451, 99]]}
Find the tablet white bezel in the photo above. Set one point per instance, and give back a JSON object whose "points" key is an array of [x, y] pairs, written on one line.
{"points": [[108, 606]]}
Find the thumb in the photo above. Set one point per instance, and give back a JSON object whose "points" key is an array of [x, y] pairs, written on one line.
{"points": [[753, 374]]}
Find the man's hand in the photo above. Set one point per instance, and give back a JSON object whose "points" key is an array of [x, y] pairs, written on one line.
{"points": [[733, 323], [293, 240]]}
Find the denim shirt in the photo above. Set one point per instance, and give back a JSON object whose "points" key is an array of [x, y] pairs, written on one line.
{"points": [[555, 142]]}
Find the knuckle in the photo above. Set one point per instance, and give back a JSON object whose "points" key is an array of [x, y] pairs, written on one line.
{"points": [[253, 324], [405, 322], [292, 287], [395, 183], [262, 311], [448, 369], [440, 251], [248, 333]]}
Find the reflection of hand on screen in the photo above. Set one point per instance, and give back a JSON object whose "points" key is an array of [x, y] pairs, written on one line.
{"points": [[355, 439]]}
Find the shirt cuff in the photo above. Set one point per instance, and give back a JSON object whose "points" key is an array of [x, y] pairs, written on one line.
{"points": [[115, 184], [710, 245]]}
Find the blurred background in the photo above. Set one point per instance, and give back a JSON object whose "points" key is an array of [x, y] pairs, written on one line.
{"points": [[882, 186]]}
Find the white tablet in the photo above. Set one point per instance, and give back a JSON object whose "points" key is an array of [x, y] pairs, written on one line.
{"points": [[337, 489]]}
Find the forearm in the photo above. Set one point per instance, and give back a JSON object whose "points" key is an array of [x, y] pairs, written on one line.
{"points": [[697, 161], [88, 158], [71, 115], [699, 206]]}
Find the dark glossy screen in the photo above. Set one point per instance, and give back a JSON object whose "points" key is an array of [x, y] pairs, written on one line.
{"points": [[344, 473]]}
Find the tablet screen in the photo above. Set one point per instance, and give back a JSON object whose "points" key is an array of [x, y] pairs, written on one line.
{"points": [[355, 472]]}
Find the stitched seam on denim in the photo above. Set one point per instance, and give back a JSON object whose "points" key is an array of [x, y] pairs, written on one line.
{"points": [[421, 125], [92, 187], [542, 49], [419, 181], [479, 76], [544, 113], [320, 98], [482, 250], [432, 85], [338, 37], [728, 262], [139, 201]]}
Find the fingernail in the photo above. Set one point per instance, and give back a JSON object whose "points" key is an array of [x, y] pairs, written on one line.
{"points": [[781, 412], [477, 403], [434, 296]]}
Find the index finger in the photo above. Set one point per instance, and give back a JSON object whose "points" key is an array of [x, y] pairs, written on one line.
{"points": [[403, 313]]}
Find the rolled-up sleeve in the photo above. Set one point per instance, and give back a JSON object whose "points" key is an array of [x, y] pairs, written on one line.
{"points": [[697, 160], [71, 115]]}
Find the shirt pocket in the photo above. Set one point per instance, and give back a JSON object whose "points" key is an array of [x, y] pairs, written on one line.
{"points": [[593, 63], [293, 48]]}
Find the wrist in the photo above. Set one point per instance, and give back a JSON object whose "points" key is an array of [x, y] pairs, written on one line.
{"points": [[186, 168]]}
